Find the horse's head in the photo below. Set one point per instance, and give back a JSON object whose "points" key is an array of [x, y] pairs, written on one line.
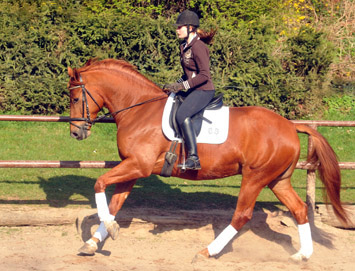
{"points": [[112, 82], [84, 105]]}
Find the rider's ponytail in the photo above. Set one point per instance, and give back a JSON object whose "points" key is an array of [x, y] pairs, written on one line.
{"points": [[206, 36]]}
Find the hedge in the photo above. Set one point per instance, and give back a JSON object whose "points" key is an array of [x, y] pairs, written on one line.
{"points": [[251, 62]]}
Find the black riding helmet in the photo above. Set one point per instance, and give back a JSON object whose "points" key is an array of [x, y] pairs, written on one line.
{"points": [[188, 17]]}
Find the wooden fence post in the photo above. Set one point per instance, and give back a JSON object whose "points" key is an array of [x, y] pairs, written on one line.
{"points": [[311, 179]]}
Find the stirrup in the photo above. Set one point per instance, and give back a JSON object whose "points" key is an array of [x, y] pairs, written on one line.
{"points": [[192, 163], [195, 164]]}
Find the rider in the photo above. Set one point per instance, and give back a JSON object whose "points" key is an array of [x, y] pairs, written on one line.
{"points": [[196, 81]]}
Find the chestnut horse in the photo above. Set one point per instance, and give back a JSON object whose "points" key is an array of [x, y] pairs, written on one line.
{"points": [[261, 145]]}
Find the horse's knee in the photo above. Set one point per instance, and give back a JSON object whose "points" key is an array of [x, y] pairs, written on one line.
{"points": [[100, 185]]}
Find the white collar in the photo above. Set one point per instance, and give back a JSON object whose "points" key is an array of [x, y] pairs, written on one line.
{"points": [[193, 37]]}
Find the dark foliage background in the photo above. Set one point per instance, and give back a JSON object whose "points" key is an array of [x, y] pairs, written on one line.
{"points": [[258, 57]]}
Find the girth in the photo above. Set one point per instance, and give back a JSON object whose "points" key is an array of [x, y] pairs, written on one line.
{"points": [[214, 104]]}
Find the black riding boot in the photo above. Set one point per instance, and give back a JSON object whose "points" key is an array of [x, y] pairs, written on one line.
{"points": [[188, 133]]}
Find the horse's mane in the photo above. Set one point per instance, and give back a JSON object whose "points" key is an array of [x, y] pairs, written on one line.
{"points": [[119, 65]]}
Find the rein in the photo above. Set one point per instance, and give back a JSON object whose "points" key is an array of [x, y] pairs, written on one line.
{"points": [[88, 121], [129, 107]]}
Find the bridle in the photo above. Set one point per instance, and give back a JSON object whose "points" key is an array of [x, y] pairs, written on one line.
{"points": [[88, 121]]}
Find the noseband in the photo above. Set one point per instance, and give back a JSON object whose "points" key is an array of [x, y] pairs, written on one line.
{"points": [[88, 121]]}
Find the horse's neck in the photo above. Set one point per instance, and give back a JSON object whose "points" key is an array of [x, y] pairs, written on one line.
{"points": [[145, 112], [122, 95]]}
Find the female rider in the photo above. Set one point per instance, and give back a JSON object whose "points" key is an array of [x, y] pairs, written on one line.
{"points": [[196, 81]]}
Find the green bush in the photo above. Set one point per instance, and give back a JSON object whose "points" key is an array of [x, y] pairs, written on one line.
{"points": [[309, 52], [260, 71], [251, 62], [41, 41]]}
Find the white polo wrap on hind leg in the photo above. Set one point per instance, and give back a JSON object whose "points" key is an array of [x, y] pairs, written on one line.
{"points": [[304, 232], [222, 240], [102, 207], [101, 233]]}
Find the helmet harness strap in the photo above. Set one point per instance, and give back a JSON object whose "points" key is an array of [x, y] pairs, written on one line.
{"points": [[188, 32]]}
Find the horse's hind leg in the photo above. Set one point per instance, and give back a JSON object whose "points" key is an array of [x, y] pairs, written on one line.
{"points": [[121, 193], [249, 191], [287, 195]]}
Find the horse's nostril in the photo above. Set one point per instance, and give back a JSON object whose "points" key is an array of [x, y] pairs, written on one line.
{"points": [[75, 135]]}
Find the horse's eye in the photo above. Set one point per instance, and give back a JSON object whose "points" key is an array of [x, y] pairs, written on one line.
{"points": [[75, 100]]}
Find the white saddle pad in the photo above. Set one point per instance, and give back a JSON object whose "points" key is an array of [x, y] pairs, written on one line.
{"points": [[211, 133]]}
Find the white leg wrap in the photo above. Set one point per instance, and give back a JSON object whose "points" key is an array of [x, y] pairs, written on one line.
{"points": [[222, 240], [102, 207], [304, 232], [91, 242], [101, 232]]}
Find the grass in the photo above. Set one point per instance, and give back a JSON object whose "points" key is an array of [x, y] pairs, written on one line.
{"points": [[74, 187]]}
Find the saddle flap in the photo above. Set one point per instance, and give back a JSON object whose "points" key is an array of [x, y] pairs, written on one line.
{"points": [[197, 119], [212, 124]]}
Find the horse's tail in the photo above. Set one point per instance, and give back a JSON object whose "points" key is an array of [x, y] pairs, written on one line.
{"points": [[328, 167]]}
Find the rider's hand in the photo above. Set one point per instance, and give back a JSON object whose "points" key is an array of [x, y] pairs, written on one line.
{"points": [[174, 87]]}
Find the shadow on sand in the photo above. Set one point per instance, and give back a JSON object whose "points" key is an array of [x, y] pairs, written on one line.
{"points": [[152, 199]]}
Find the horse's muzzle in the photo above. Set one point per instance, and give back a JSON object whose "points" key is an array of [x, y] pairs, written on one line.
{"points": [[81, 132]]}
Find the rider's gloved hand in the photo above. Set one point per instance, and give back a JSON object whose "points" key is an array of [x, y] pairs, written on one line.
{"points": [[174, 87]]}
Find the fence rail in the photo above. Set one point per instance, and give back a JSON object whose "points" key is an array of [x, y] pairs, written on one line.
{"points": [[45, 118], [111, 164], [111, 120], [311, 169]]}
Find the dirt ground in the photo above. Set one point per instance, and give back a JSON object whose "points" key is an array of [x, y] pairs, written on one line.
{"points": [[161, 240]]}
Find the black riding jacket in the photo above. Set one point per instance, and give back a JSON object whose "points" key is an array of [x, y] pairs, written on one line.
{"points": [[195, 61]]}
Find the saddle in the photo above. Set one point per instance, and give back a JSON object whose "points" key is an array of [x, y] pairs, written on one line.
{"points": [[211, 132], [214, 104]]}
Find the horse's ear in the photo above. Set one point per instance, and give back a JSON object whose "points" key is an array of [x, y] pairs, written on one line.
{"points": [[91, 61], [70, 72]]}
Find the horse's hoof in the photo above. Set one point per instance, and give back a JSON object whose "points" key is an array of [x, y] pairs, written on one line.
{"points": [[112, 228], [201, 256], [88, 248], [299, 257]]}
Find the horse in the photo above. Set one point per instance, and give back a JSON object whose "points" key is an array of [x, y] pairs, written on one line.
{"points": [[261, 145]]}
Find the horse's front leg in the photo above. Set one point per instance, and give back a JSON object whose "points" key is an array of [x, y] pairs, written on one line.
{"points": [[126, 171], [125, 176], [121, 193]]}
